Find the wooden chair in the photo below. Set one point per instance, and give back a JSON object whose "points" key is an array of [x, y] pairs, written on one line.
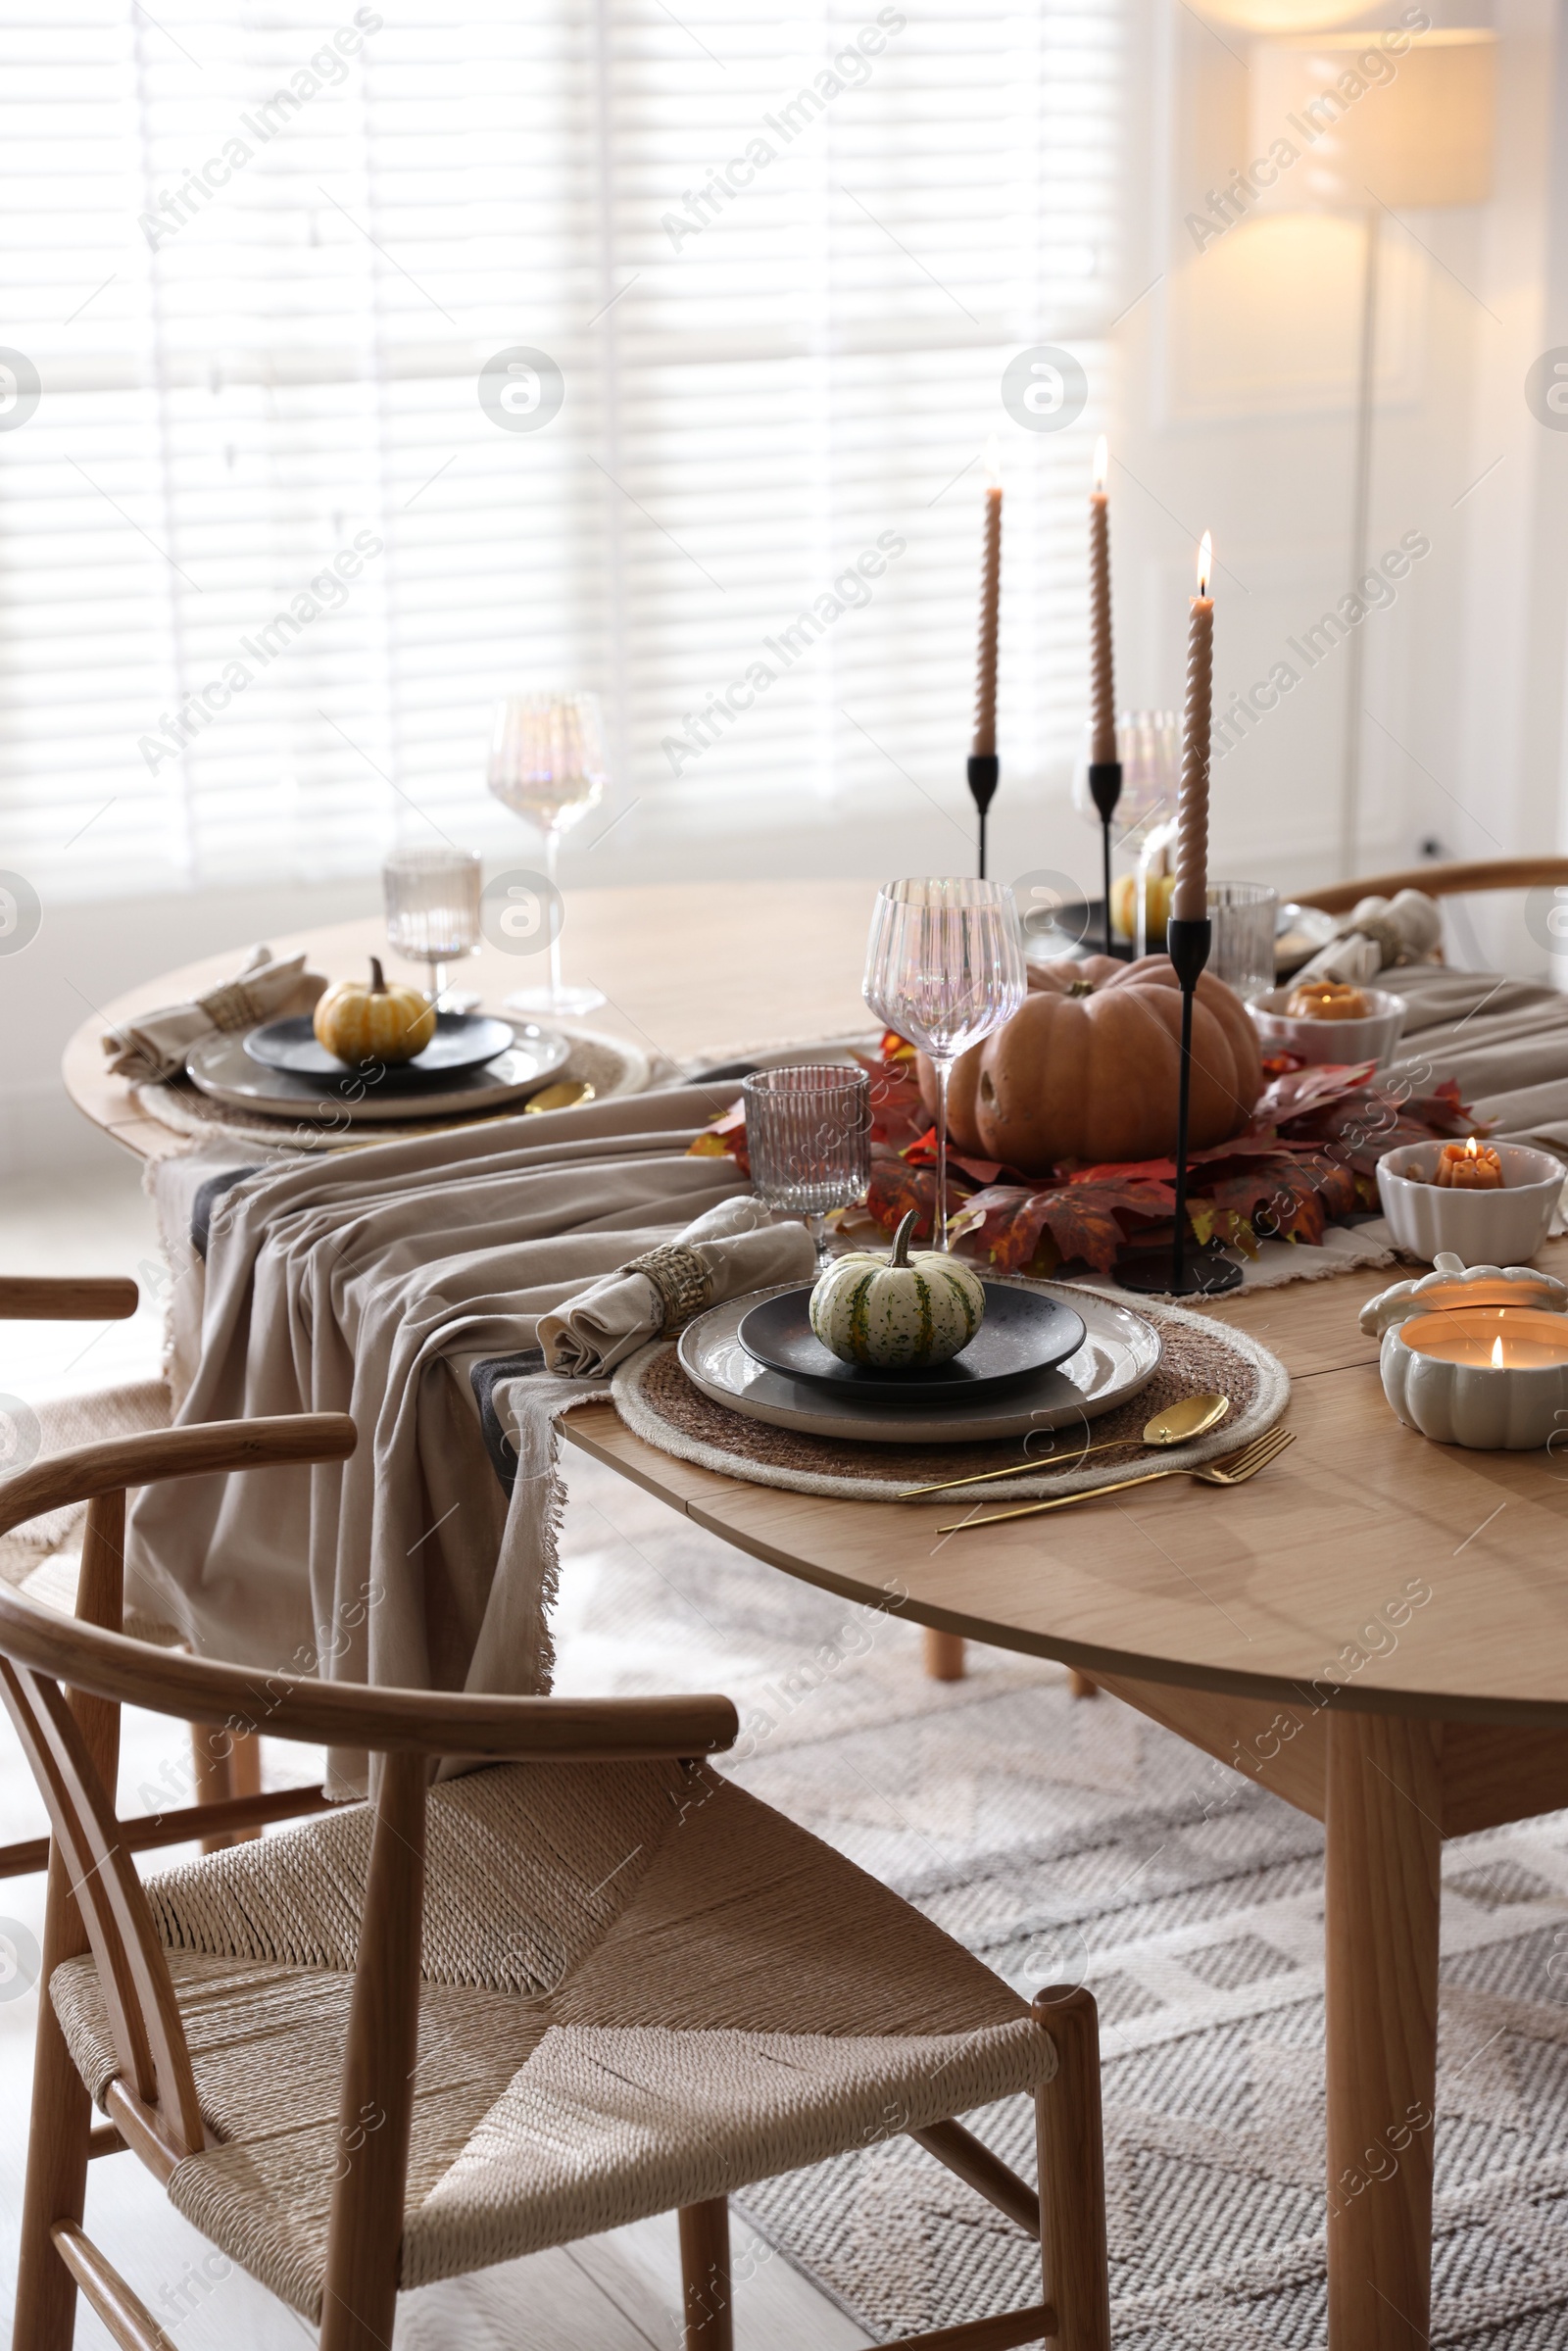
{"points": [[227, 1770], [417, 2037]]}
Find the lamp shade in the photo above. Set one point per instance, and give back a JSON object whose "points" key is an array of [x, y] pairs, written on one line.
{"points": [[1409, 129]]}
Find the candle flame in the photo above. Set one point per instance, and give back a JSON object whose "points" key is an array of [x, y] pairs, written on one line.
{"points": [[992, 462], [1470, 1151], [1101, 463], [1206, 564], [1496, 1355]]}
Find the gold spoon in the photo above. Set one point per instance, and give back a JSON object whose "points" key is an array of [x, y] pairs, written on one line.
{"points": [[1189, 1417], [566, 1094]]}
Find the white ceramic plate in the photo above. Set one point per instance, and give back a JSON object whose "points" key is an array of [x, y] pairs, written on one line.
{"points": [[222, 1067], [1120, 1354]]}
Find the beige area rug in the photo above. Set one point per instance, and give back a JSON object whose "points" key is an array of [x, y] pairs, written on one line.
{"points": [[1058, 1836]]}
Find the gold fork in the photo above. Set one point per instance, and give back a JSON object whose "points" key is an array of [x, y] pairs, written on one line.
{"points": [[1235, 1471]]}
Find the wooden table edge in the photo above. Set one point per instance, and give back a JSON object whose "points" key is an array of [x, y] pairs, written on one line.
{"points": [[1359, 1698]]}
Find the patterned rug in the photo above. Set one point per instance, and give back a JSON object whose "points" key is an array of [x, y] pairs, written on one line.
{"points": [[1063, 1838]]}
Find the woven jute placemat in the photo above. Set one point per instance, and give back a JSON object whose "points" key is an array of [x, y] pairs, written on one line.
{"points": [[608, 1065], [659, 1402]]}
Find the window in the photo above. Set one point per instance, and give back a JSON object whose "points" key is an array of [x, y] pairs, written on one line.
{"points": [[268, 559]]}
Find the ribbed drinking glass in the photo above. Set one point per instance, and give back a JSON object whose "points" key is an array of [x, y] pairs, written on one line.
{"points": [[808, 1139], [432, 908], [945, 968]]}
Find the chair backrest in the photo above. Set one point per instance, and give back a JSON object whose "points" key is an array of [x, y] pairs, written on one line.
{"points": [[72, 1744], [66, 1298], [1445, 881]]}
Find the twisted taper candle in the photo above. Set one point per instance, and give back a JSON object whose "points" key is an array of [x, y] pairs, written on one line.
{"points": [[985, 706], [1190, 901], [1101, 679]]}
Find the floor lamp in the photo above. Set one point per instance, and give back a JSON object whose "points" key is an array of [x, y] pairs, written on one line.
{"points": [[1417, 134]]}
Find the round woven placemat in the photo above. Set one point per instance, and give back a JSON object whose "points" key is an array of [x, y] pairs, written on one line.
{"points": [[608, 1065], [659, 1402]]}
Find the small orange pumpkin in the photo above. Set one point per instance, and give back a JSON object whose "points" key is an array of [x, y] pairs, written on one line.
{"points": [[1087, 1070]]}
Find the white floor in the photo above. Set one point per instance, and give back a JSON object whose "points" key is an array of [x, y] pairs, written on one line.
{"points": [[618, 2292]]}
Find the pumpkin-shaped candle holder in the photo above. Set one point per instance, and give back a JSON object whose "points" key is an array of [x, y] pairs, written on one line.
{"points": [[1476, 1356]]}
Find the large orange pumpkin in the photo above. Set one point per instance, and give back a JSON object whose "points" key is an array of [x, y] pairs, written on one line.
{"points": [[1087, 1069]]}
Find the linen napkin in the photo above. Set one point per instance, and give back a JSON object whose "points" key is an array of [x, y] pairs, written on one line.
{"points": [[728, 1250], [1376, 934], [153, 1045]]}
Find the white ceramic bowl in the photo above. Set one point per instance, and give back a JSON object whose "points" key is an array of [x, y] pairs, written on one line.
{"points": [[1371, 1040], [1481, 1228]]}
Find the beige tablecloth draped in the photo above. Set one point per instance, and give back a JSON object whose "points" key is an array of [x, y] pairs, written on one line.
{"points": [[370, 1285]]}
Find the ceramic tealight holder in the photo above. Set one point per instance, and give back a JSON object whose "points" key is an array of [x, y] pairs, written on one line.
{"points": [[1505, 1226], [1476, 1355]]}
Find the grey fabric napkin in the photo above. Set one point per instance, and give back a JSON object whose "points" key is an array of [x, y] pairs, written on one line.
{"points": [[730, 1250]]}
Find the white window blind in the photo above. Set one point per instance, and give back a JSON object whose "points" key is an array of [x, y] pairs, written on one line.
{"points": [[267, 559]]}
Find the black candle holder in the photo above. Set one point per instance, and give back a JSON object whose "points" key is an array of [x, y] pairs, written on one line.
{"points": [[1104, 790], [985, 769], [1176, 1272]]}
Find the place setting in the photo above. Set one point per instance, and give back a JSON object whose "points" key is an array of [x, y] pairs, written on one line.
{"points": [[284, 1051]]}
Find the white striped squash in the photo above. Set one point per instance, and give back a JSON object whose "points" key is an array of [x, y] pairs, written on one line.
{"points": [[898, 1312]]}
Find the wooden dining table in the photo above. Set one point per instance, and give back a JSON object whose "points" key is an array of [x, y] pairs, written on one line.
{"points": [[1375, 1629]]}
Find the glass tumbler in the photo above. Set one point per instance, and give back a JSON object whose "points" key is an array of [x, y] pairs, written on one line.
{"points": [[433, 908], [1242, 915], [808, 1139]]}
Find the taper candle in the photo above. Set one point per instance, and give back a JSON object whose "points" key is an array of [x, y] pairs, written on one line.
{"points": [[1190, 902], [985, 706], [1102, 678]]}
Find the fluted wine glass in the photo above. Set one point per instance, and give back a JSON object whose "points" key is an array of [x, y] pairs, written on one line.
{"points": [[945, 968]]}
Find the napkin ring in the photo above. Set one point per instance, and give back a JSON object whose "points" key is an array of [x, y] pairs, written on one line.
{"points": [[231, 1006], [681, 1279]]}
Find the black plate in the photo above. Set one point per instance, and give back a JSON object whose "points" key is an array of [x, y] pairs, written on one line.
{"points": [[1022, 1333], [462, 1041]]}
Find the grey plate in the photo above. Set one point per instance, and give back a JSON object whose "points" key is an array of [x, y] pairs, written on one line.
{"points": [[462, 1041], [1119, 1355], [222, 1067], [1023, 1331]]}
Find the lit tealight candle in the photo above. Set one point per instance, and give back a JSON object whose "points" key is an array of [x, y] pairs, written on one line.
{"points": [[1521, 1338], [1469, 1167]]}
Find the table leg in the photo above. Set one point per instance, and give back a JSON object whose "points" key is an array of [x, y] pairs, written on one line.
{"points": [[943, 1656], [1381, 1893]]}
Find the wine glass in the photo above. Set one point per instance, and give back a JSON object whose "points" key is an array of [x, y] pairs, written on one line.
{"points": [[547, 762], [433, 908], [945, 968], [808, 1139]]}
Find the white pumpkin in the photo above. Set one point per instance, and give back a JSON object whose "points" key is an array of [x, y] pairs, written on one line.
{"points": [[898, 1312]]}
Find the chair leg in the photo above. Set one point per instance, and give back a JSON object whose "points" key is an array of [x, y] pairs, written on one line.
{"points": [[705, 2275], [1072, 2172], [57, 2146], [943, 1656], [61, 2127]]}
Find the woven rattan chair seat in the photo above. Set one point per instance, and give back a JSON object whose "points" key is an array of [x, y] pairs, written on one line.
{"points": [[642, 1990]]}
